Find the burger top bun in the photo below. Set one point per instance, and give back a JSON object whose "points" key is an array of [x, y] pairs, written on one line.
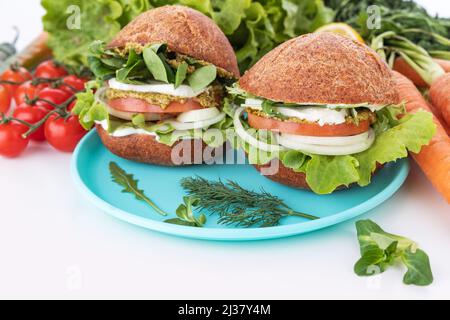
{"points": [[185, 31], [321, 68]]}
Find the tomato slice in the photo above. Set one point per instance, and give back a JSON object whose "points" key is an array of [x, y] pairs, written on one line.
{"points": [[141, 106], [308, 128]]}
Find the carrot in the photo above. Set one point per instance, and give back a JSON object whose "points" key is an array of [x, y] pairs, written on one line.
{"points": [[445, 64], [433, 159], [440, 96], [400, 65], [36, 52]]}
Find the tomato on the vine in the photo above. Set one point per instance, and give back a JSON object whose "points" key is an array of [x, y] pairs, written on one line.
{"points": [[12, 144], [56, 96], [32, 115], [15, 74], [73, 84], [50, 70], [27, 89], [64, 134], [5, 99], [71, 105]]}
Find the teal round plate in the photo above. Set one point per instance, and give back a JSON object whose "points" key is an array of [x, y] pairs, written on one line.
{"points": [[90, 170]]}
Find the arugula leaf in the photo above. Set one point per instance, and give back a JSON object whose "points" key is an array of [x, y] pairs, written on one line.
{"points": [[185, 214], [181, 74], [155, 65], [130, 185], [380, 249], [202, 77]]}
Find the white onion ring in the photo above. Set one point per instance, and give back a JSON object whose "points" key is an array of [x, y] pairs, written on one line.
{"points": [[327, 141], [198, 115], [244, 135], [197, 125], [329, 150]]}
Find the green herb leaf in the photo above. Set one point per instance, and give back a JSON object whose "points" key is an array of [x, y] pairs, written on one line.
{"points": [[370, 263], [130, 185], [181, 222], [169, 71], [202, 77], [99, 69], [185, 214], [238, 206], [380, 249], [419, 269], [181, 74], [155, 65]]}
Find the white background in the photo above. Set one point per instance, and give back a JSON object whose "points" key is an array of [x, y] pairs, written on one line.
{"points": [[54, 244]]}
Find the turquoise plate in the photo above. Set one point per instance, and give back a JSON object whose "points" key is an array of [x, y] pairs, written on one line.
{"points": [[91, 175]]}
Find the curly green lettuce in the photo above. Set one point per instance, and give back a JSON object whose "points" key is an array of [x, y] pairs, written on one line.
{"points": [[74, 24]]}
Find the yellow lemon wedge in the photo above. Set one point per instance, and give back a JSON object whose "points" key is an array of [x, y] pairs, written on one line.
{"points": [[342, 29]]}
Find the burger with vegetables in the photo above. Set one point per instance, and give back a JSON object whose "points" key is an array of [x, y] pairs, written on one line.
{"points": [[162, 85], [326, 109]]}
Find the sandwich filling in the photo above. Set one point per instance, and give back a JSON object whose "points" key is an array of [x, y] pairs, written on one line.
{"points": [[153, 91], [333, 145]]}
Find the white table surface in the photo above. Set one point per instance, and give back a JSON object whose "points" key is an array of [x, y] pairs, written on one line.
{"points": [[54, 244]]}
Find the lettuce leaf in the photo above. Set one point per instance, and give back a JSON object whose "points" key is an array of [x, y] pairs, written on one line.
{"points": [[74, 24], [413, 132]]}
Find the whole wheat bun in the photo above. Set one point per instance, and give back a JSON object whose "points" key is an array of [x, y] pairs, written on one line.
{"points": [[321, 68], [145, 149], [185, 31]]}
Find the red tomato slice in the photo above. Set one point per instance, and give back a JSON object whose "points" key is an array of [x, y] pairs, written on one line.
{"points": [[308, 129], [141, 106]]}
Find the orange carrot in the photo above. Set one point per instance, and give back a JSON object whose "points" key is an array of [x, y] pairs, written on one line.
{"points": [[440, 96], [400, 65], [433, 159], [445, 64]]}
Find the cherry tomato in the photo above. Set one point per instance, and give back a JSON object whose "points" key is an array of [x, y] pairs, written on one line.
{"points": [[50, 70], [13, 74], [12, 144], [27, 89], [71, 105], [32, 115], [73, 84], [5, 99], [57, 96], [64, 134]]}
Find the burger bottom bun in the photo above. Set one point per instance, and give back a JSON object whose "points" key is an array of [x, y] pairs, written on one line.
{"points": [[145, 149], [291, 178]]}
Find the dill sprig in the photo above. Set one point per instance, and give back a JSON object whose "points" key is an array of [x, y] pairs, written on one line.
{"points": [[237, 206]]}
